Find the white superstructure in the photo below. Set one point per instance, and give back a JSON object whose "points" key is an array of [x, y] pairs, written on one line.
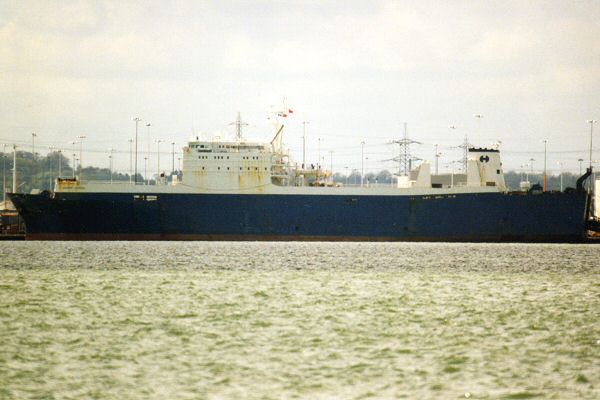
{"points": [[241, 166]]}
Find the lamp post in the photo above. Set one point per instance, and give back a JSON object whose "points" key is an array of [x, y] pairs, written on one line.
{"points": [[148, 125], [172, 157], [318, 158], [14, 185], [81, 137], [591, 122], [304, 144], [331, 164], [130, 159], [158, 142], [4, 173], [110, 163], [367, 167], [137, 120], [362, 162], [50, 164], [74, 155], [146, 171], [580, 161], [437, 156], [33, 136], [59, 163], [545, 152]]}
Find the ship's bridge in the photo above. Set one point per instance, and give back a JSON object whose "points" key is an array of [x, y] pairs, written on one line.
{"points": [[227, 165]]}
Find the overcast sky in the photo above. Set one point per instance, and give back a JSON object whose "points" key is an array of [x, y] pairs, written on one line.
{"points": [[355, 70]]}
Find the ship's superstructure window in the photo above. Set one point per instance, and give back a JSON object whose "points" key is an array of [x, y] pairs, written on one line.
{"points": [[221, 170]]}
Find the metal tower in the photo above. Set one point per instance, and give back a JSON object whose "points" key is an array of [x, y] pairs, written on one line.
{"points": [[238, 127], [404, 157]]}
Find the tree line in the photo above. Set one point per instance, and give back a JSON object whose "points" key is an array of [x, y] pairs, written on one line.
{"points": [[39, 172]]}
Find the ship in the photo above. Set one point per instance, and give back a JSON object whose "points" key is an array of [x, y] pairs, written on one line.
{"points": [[238, 189]]}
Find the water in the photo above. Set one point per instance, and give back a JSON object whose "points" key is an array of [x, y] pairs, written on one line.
{"points": [[298, 320]]}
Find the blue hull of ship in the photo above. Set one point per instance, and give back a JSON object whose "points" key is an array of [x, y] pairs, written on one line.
{"points": [[546, 217]]}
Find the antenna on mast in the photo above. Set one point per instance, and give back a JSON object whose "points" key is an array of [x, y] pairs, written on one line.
{"points": [[238, 126]]}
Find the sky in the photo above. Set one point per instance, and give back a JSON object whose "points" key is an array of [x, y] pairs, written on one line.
{"points": [[354, 70]]}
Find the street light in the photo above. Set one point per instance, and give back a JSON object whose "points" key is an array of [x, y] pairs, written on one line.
{"points": [[172, 157], [304, 145], [148, 125], [591, 122], [59, 162], [331, 165], [110, 166], [137, 120], [367, 166], [158, 142], [4, 173], [51, 148], [33, 136], [146, 171], [545, 152], [130, 159], [14, 185], [362, 162], [81, 137], [74, 142], [580, 161], [437, 156]]}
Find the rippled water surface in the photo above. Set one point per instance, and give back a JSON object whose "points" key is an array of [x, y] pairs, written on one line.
{"points": [[298, 320]]}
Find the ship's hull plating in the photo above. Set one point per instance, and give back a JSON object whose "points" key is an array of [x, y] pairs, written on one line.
{"points": [[472, 217]]}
